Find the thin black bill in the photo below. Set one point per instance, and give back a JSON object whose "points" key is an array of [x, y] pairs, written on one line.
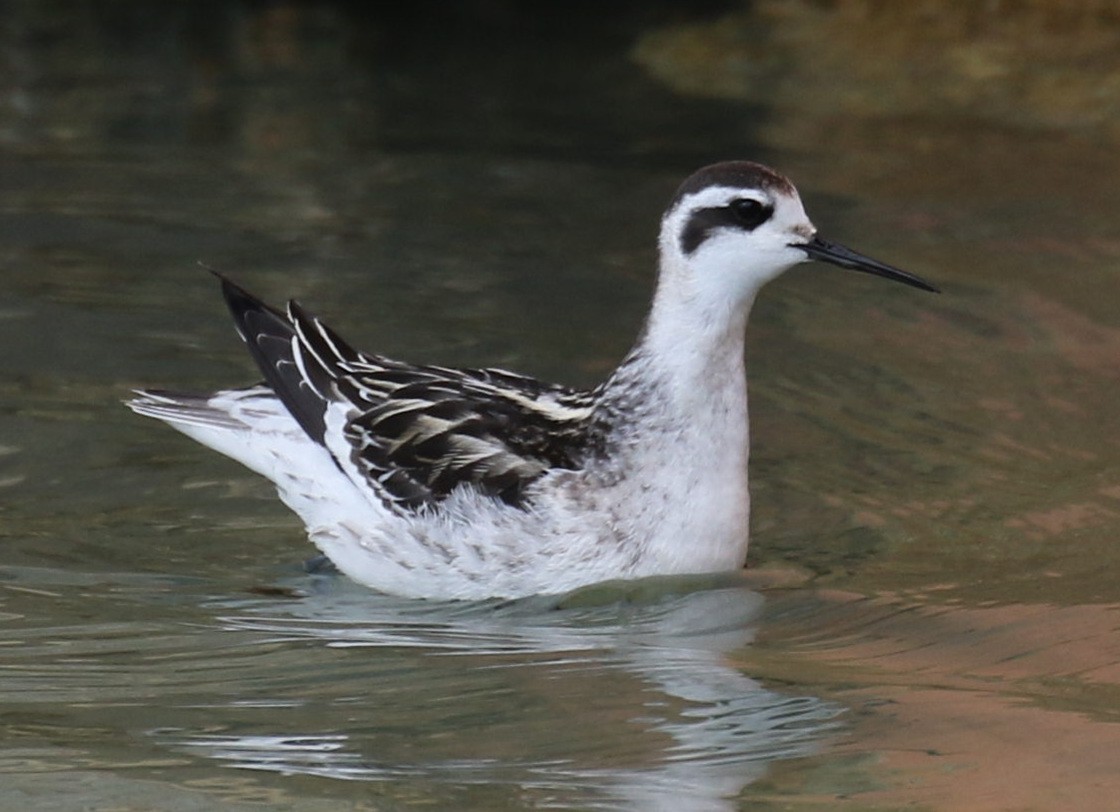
{"points": [[835, 254]]}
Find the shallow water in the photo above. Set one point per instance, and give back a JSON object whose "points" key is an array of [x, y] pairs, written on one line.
{"points": [[597, 703], [929, 619]]}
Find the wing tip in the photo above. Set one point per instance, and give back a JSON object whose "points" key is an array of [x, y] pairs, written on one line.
{"points": [[268, 333]]}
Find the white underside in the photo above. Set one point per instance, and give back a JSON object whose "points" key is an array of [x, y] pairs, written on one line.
{"points": [[676, 517]]}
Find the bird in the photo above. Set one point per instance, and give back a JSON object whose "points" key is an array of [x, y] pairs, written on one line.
{"points": [[468, 484]]}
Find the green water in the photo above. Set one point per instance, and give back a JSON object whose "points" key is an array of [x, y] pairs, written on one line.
{"points": [[929, 619]]}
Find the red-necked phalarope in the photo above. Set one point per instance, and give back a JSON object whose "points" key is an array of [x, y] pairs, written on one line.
{"points": [[472, 483]]}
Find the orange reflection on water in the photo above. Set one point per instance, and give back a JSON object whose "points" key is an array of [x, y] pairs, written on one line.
{"points": [[964, 708]]}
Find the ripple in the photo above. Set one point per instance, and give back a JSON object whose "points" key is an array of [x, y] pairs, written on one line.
{"points": [[614, 699]]}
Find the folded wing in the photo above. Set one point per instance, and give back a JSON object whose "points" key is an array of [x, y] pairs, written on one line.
{"points": [[413, 433]]}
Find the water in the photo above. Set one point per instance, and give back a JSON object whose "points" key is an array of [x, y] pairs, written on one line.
{"points": [[930, 613], [593, 703]]}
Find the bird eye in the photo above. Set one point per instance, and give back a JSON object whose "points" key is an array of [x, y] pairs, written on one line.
{"points": [[750, 214]]}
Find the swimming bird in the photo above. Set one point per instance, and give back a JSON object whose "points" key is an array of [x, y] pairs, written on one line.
{"points": [[433, 482]]}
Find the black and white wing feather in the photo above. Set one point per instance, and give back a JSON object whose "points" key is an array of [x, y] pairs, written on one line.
{"points": [[414, 433]]}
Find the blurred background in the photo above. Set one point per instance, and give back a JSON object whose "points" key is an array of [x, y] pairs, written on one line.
{"points": [[936, 479]]}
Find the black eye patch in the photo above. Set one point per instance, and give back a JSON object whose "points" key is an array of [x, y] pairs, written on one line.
{"points": [[743, 213]]}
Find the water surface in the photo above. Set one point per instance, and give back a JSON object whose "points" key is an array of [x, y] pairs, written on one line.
{"points": [[930, 615]]}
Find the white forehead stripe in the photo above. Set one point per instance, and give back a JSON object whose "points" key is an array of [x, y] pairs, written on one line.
{"points": [[715, 196]]}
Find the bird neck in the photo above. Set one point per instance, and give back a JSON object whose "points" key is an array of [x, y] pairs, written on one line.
{"points": [[687, 366]]}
